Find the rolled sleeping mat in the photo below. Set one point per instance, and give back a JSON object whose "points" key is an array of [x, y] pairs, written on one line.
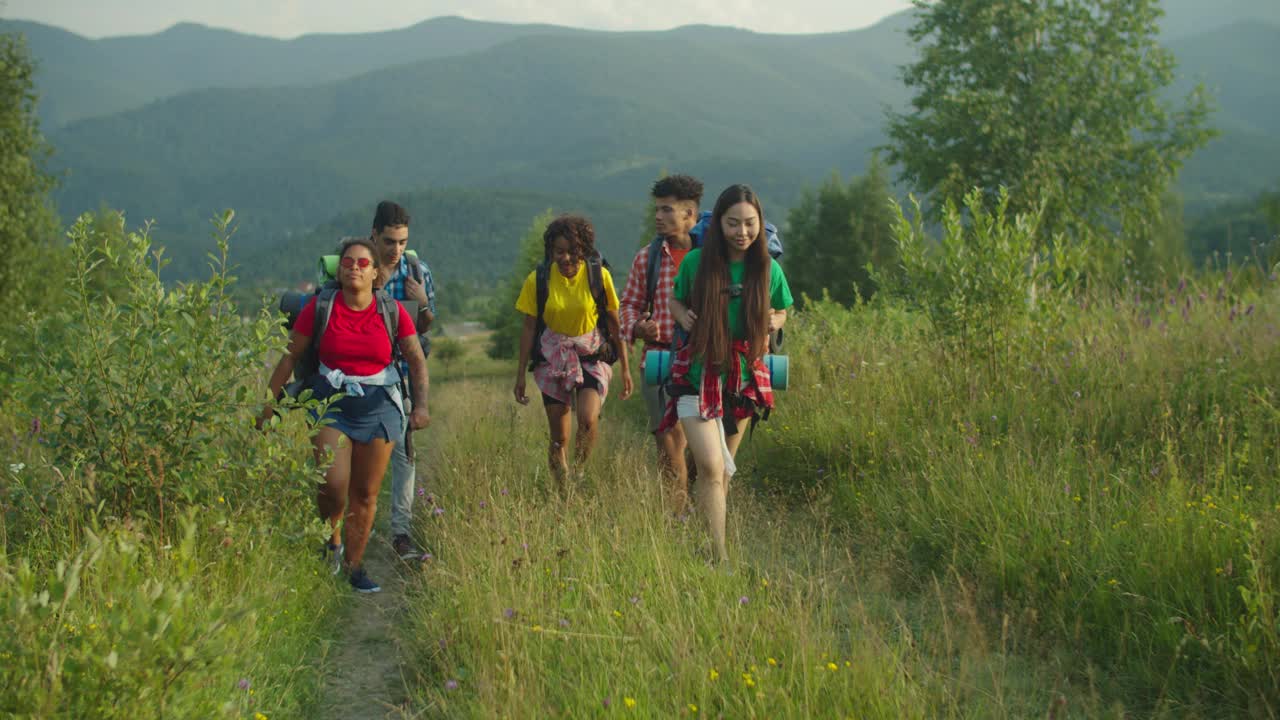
{"points": [[657, 368]]}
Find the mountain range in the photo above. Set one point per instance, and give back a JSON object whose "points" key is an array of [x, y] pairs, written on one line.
{"points": [[296, 133]]}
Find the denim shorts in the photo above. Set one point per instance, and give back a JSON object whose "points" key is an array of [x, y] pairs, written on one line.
{"points": [[362, 419]]}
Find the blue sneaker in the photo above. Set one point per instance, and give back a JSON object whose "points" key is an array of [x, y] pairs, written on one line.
{"points": [[360, 581], [332, 554]]}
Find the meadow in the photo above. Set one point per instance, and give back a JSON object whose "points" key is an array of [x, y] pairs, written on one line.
{"points": [[1076, 518]]}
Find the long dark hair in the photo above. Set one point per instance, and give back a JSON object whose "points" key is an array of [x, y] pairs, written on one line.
{"points": [[711, 337]]}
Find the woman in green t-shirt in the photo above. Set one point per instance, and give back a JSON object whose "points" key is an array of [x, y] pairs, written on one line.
{"points": [[729, 295]]}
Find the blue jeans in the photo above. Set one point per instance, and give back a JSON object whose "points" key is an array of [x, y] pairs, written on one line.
{"points": [[403, 479]]}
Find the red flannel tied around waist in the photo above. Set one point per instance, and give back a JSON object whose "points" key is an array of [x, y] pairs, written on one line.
{"points": [[710, 399]]}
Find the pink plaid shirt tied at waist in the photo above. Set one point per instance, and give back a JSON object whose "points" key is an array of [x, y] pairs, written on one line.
{"points": [[564, 370]]}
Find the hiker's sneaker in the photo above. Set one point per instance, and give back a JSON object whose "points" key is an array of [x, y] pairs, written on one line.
{"points": [[403, 547], [361, 583], [332, 554]]}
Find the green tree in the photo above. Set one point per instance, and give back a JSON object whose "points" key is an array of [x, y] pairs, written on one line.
{"points": [[448, 350], [27, 222], [1057, 100], [507, 322], [836, 231]]}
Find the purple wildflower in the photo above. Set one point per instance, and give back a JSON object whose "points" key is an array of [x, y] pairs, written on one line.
{"points": [[426, 557], [606, 702], [244, 683], [422, 492], [1248, 311], [35, 422], [509, 613], [635, 599], [483, 505], [439, 511], [564, 623], [451, 684], [743, 600], [504, 491]]}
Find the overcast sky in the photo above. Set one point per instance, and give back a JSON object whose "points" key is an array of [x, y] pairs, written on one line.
{"points": [[290, 18]]}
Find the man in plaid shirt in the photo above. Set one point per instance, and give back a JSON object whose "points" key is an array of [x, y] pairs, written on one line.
{"points": [[675, 208], [391, 237]]}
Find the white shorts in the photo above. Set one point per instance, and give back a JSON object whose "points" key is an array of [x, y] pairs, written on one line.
{"points": [[687, 410]]}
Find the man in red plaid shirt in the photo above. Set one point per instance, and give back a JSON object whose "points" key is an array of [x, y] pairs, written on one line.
{"points": [[675, 209]]}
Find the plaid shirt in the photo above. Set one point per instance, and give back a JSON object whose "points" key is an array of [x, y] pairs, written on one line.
{"points": [[712, 393], [632, 307], [395, 287]]}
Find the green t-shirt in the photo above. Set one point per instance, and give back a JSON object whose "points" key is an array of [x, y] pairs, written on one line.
{"points": [[682, 290]]}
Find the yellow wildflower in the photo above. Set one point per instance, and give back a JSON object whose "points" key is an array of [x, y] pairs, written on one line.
{"points": [[221, 499], [693, 708], [832, 667], [713, 674], [630, 702], [773, 663]]}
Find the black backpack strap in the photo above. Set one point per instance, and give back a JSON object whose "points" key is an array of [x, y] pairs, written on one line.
{"points": [[324, 310], [391, 319], [651, 276], [541, 276]]}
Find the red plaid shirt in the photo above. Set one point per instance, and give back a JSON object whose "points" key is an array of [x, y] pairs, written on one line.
{"points": [[632, 307], [710, 394]]}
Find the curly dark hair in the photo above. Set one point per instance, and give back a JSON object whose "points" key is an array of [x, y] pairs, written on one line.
{"points": [[681, 187], [577, 229]]}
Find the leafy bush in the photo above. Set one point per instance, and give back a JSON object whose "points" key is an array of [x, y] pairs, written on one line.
{"points": [[151, 541]]}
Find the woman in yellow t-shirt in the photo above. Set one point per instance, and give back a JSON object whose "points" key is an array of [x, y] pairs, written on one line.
{"points": [[568, 366]]}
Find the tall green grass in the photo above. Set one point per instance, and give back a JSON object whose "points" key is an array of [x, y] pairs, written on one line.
{"points": [[1110, 488], [600, 603]]}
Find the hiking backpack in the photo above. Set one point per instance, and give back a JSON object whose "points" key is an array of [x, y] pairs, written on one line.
{"points": [[595, 266]]}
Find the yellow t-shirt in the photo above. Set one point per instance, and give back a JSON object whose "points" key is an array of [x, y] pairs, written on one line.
{"points": [[570, 308]]}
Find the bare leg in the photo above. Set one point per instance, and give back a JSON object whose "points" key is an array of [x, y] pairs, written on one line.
{"points": [[558, 422], [732, 442], [589, 403], [704, 443], [368, 465], [671, 446], [331, 498]]}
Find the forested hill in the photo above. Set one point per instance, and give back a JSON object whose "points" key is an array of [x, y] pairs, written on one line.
{"points": [[81, 77], [598, 117], [587, 115]]}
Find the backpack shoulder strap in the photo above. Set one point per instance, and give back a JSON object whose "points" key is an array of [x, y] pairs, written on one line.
{"points": [[390, 319], [652, 272], [595, 280], [542, 276], [324, 310], [415, 265]]}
